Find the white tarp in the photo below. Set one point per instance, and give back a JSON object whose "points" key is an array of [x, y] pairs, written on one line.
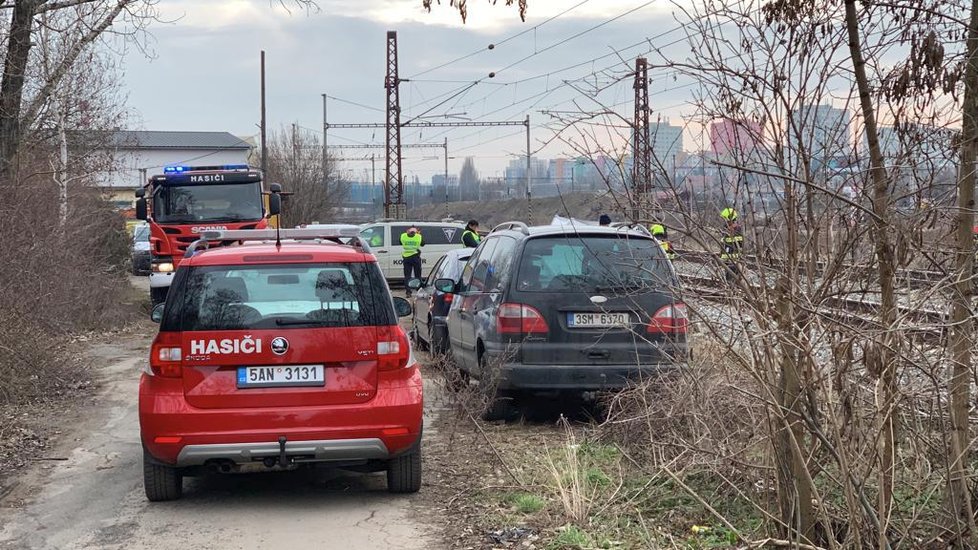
{"points": [[562, 221]]}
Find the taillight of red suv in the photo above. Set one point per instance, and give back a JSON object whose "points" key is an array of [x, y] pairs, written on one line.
{"points": [[520, 319], [166, 355], [670, 319], [393, 348]]}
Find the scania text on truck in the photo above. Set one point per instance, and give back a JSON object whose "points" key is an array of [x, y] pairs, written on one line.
{"points": [[187, 200]]}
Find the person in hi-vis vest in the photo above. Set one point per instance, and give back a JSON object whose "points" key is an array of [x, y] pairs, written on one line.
{"points": [[412, 242], [470, 237]]}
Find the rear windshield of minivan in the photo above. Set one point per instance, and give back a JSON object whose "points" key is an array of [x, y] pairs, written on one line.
{"points": [[249, 297], [573, 263]]}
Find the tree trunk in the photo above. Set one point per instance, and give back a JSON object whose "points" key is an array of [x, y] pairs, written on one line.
{"points": [[886, 385], [794, 491], [12, 87], [962, 325], [61, 174]]}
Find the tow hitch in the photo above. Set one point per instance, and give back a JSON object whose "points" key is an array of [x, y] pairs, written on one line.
{"points": [[283, 460]]}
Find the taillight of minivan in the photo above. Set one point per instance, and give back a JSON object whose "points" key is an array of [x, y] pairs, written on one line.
{"points": [[166, 356], [393, 348], [670, 319], [520, 319]]}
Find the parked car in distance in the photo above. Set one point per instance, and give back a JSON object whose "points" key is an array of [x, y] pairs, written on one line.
{"points": [[384, 239], [139, 252], [431, 305], [567, 309], [280, 357]]}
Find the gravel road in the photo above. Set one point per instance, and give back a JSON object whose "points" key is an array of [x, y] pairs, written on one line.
{"points": [[90, 494]]}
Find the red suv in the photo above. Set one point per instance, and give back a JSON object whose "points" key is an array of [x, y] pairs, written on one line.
{"points": [[278, 354]]}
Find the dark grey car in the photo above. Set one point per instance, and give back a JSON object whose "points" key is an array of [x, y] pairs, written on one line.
{"points": [[140, 255], [566, 308], [431, 305]]}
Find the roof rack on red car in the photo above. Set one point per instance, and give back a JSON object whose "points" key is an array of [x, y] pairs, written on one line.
{"points": [[332, 233]]}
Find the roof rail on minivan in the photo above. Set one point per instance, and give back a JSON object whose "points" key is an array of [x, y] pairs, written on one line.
{"points": [[636, 226], [512, 225]]}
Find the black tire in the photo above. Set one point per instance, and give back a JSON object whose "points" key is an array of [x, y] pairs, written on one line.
{"points": [[161, 483], [418, 342], [438, 344], [404, 472], [500, 405], [157, 295]]}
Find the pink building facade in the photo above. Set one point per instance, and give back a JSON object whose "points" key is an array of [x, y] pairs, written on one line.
{"points": [[730, 137]]}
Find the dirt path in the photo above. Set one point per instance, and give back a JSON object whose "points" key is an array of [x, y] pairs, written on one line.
{"points": [[94, 498]]}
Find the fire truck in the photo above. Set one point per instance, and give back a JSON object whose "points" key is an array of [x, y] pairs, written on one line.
{"points": [[185, 201]]}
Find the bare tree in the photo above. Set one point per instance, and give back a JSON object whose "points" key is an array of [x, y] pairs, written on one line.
{"points": [[468, 180], [463, 9], [295, 159]]}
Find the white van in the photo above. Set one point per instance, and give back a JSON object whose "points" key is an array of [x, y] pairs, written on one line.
{"points": [[384, 238]]}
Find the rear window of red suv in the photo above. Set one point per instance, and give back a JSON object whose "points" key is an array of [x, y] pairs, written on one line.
{"points": [[246, 297]]}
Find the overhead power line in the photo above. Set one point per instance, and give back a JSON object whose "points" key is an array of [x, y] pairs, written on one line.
{"points": [[500, 43]]}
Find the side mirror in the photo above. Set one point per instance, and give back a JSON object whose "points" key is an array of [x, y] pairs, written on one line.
{"points": [[274, 204], [414, 284], [402, 306], [445, 285], [157, 314], [141, 212], [140, 193]]}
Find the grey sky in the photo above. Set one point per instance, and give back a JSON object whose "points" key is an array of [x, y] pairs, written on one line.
{"points": [[205, 74]]}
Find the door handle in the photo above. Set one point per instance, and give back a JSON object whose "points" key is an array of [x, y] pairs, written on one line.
{"points": [[380, 251]]}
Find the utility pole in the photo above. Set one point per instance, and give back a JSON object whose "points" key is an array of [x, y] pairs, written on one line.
{"points": [[325, 150], [446, 176], [295, 150], [263, 145], [641, 160], [529, 192], [394, 184]]}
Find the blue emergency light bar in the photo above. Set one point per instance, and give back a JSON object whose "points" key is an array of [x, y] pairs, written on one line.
{"points": [[179, 169]]}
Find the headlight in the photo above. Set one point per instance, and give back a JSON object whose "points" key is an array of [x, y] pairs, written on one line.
{"points": [[165, 267]]}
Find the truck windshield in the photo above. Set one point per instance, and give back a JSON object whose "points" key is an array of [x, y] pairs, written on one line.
{"points": [[227, 202]]}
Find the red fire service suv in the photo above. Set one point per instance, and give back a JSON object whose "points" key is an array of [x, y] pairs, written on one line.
{"points": [[186, 200], [279, 353]]}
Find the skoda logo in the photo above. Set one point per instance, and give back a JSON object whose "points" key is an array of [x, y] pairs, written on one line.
{"points": [[280, 345]]}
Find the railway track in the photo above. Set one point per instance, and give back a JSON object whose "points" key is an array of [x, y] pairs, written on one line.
{"points": [[906, 278], [845, 310]]}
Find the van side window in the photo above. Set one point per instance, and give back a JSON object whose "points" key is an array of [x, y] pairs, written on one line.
{"points": [[501, 264], [398, 230], [446, 234], [374, 236], [432, 234]]}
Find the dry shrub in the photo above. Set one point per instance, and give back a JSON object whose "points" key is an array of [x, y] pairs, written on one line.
{"points": [[54, 282], [705, 414]]}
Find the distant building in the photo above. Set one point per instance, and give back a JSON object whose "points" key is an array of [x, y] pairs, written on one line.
{"points": [[734, 138], [137, 155], [824, 132], [515, 174], [915, 144], [666, 142], [444, 193]]}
